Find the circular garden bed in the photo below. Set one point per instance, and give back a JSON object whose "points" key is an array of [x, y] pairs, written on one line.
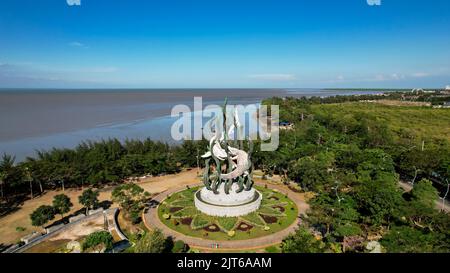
{"points": [[276, 213]]}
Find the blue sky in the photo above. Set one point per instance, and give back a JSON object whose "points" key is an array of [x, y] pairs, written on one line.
{"points": [[224, 43]]}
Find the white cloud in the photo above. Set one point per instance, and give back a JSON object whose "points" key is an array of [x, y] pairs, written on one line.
{"points": [[77, 44], [340, 78], [273, 77], [420, 75], [101, 69], [73, 2]]}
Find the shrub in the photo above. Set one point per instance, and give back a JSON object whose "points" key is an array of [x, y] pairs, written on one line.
{"points": [[98, 239], [302, 242], [20, 229], [180, 247], [151, 242], [42, 215]]}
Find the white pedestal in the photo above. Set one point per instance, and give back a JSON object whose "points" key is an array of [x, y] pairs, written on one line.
{"points": [[227, 205]]}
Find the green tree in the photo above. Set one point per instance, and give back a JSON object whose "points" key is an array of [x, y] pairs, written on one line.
{"points": [[98, 241], [314, 172], [62, 204], [131, 198], [2, 181], [10, 174], [151, 242], [180, 247], [89, 199], [302, 241], [406, 239], [378, 199], [424, 193], [42, 215]]}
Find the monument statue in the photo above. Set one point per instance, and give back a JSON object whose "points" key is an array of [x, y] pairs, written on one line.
{"points": [[227, 176]]}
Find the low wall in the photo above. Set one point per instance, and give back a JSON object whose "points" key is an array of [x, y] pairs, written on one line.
{"points": [[116, 225], [53, 233]]}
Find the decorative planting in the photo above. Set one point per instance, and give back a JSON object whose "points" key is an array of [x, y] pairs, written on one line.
{"points": [[179, 213]]}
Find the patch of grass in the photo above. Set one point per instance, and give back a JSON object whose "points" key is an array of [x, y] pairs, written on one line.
{"points": [[266, 210], [181, 203], [273, 249], [227, 223], [200, 221], [186, 212], [423, 122], [254, 219], [20, 229]]}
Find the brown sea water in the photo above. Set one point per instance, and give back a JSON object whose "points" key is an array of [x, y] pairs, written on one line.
{"points": [[41, 119]]}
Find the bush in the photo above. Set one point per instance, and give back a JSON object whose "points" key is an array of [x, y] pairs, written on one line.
{"points": [[180, 247], [98, 240], [20, 229], [135, 214], [302, 242], [42, 215], [151, 242]]}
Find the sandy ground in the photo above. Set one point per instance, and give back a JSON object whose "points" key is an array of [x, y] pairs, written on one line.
{"points": [[21, 217], [81, 230]]}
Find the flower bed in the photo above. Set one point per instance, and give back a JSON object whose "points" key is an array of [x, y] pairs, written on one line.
{"points": [[276, 213]]}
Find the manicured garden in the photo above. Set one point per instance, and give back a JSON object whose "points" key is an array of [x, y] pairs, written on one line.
{"points": [[276, 213]]}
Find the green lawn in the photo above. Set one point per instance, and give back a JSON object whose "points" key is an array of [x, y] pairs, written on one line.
{"points": [[422, 121], [270, 199]]}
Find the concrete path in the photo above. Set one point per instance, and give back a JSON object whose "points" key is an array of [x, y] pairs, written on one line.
{"points": [[151, 220]]}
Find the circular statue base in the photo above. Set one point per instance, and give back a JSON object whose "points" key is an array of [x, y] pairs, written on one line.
{"points": [[227, 205]]}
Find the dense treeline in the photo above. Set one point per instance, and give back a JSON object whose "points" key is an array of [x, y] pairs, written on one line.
{"points": [[352, 161], [348, 134], [93, 164]]}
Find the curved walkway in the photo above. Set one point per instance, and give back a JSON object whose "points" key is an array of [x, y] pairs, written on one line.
{"points": [[151, 221]]}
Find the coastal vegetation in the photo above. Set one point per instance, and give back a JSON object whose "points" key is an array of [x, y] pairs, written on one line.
{"points": [[347, 151], [352, 156], [90, 164]]}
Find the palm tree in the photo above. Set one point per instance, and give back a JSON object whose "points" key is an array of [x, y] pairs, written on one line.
{"points": [[6, 168], [2, 181], [30, 180]]}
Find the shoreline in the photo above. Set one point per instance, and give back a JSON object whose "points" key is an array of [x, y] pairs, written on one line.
{"points": [[42, 120]]}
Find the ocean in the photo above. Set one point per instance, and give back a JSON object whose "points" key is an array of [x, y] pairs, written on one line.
{"points": [[40, 119]]}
